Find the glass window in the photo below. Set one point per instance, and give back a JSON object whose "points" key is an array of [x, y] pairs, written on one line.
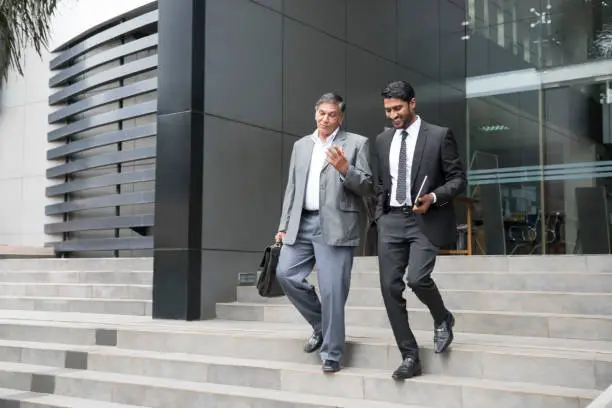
{"points": [[540, 169]]}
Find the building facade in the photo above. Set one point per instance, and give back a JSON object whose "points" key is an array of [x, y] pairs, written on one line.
{"points": [[166, 127]]}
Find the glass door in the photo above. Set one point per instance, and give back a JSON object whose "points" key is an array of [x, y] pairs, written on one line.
{"points": [[505, 172], [540, 170], [578, 167]]}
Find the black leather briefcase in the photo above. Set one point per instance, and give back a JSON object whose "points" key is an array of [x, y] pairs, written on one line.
{"points": [[267, 284]]}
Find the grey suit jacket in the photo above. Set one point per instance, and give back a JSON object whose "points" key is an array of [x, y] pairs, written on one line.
{"points": [[340, 197], [437, 156]]}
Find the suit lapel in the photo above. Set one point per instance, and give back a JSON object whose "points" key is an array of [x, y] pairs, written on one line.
{"points": [[305, 155], [386, 151], [418, 153]]}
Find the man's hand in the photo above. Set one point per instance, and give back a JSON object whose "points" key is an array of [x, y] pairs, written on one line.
{"points": [[425, 201], [336, 157], [280, 236]]}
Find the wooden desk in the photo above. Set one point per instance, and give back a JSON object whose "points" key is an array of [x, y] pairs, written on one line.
{"points": [[468, 203]]}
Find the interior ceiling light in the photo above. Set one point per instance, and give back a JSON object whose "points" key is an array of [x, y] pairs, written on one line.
{"points": [[493, 128], [466, 25], [543, 17]]}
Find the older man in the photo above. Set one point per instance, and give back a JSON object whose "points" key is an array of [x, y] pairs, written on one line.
{"points": [[328, 175]]}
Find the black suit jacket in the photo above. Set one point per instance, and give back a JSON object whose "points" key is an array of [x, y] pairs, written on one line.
{"points": [[435, 155]]}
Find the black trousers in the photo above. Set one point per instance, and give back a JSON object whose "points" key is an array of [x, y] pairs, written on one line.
{"points": [[402, 244]]}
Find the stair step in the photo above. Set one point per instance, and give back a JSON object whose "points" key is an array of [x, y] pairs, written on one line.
{"points": [[77, 290], [530, 281], [22, 325], [78, 264], [433, 390], [488, 263], [496, 362], [16, 398], [572, 326], [485, 300], [70, 276], [156, 392], [550, 263], [64, 304]]}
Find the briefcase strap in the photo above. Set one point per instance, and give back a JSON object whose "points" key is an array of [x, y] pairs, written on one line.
{"points": [[265, 256]]}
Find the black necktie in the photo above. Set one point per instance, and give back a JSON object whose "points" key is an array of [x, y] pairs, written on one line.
{"points": [[400, 194]]}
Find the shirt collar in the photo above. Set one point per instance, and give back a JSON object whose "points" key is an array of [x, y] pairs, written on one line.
{"points": [[330, 139]]}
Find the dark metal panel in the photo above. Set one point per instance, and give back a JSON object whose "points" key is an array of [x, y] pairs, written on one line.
{"points": [[103, 37], [261, 151], [105, 77], [101, 160], [178, 208], [256, 41], [96, 60], [113, 95], [103, 140], [101, 181], [305, 79], [179, 177], [366, 73], [274, 4], [322, 15], [125, 221], [141, 197], [372, 26], [182, 62], [92, 122], [104, 244], [420, 27]]}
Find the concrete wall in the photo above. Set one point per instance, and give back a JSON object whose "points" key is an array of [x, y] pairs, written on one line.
{"points": [[23, 125]]}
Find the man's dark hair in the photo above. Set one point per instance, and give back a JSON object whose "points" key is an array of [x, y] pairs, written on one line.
{"points": [[331, 98], [398, 90]]}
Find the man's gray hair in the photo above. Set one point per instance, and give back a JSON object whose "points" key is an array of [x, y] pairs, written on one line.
{"points": [[331, 98]]}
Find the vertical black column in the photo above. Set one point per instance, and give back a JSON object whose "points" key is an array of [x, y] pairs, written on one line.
{"points": [[178, 186]]}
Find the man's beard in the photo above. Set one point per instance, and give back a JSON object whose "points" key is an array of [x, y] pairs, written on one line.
{"points": [[407, 121]]}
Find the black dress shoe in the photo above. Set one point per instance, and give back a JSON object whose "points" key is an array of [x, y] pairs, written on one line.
{"points": [[314, 342], [443, 334], [410, 367], [330, 366]]}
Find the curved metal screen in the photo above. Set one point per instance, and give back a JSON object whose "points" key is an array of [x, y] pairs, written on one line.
{"points": [[102, 159]]}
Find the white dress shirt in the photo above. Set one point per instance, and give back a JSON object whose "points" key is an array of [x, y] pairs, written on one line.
{"points": [[411, 139], [317, 161]]}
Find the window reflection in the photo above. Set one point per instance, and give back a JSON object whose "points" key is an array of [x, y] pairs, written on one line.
{"points": [[539, 33]]}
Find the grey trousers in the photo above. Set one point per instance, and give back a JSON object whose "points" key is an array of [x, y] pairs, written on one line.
{"points": [[334, 265]]}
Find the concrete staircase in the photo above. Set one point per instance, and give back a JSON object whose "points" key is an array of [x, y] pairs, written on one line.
{"points": [[114, 286], [532, 332]]}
